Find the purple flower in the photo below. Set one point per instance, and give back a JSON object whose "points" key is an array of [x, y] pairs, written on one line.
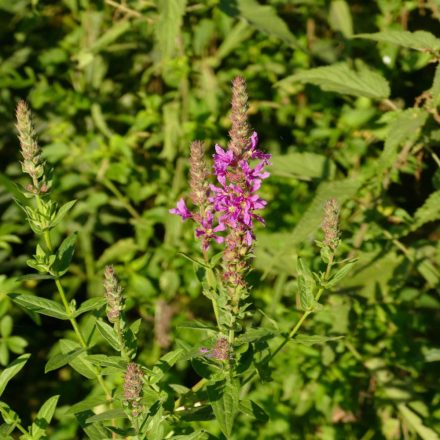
{"points": [[181, 210], [222, 160], [207, 231], [254, 176], [257, 154]]}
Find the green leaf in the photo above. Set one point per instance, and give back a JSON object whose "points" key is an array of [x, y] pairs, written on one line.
{"points": [[406, 128], [255, 334], [80, 362], [435, 89], [165, 363], [108, 333], [419, 40], [14, 190], [86, 404], [340, 17], [61, 359], [340, 274], [341, 79], [428, 212], [39, 305], [167, 30], [11, 370], [305, 166], [110, 36], [306, 286], [224, 400], [116, 413], [310, 340], [416, 423], [265, 19], [90, 304], [64, 255], [199, 435], [252, 409], [44, 417], [198, 325], [108, 361], [62, 212]]}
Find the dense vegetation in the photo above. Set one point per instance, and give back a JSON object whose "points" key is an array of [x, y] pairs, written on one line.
{"points": [[345, 95]]}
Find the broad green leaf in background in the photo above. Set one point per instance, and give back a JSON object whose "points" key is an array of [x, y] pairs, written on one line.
{"points": [[419, 40], [435, 89], [404, 129], [303, 166], [167, 30], [340, 17], [341, 79], [265, 19], [11, 370], [428, 212], [224, 400]]}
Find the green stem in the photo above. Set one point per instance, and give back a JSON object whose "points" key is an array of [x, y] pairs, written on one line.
{"points": [[21, 429], [72, 319], [120, 336], [122, 199]]}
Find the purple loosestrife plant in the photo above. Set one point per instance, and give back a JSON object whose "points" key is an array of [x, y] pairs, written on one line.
{"points": [[227, 206], [226, 210]]}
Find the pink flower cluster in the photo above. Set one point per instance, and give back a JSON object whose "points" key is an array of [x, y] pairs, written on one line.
{"points": [[233, 201]]}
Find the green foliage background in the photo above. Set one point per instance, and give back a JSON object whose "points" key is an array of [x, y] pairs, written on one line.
{"points": [[119, 90]]}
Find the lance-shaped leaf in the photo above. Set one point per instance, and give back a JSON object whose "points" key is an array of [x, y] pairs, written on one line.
{"points": [[80, 363], [64, 255], [90, 304], [43, 306], [224, 400], [340, 274], [306, 286], [44, 417], [11, 370], [419, 40], [341, 79], [310, 340], [61, 359]]}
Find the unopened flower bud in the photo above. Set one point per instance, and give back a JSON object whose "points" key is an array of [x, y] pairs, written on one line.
{"points": [[330, 224], [133, 387], [198, 174], [113, 295], [240, 131], [221, 350]]}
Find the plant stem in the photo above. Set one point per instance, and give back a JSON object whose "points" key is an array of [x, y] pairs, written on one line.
{"points": [[122, 199]]}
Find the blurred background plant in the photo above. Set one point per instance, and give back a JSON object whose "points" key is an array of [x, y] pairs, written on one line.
{"points": [[121, 88]]}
